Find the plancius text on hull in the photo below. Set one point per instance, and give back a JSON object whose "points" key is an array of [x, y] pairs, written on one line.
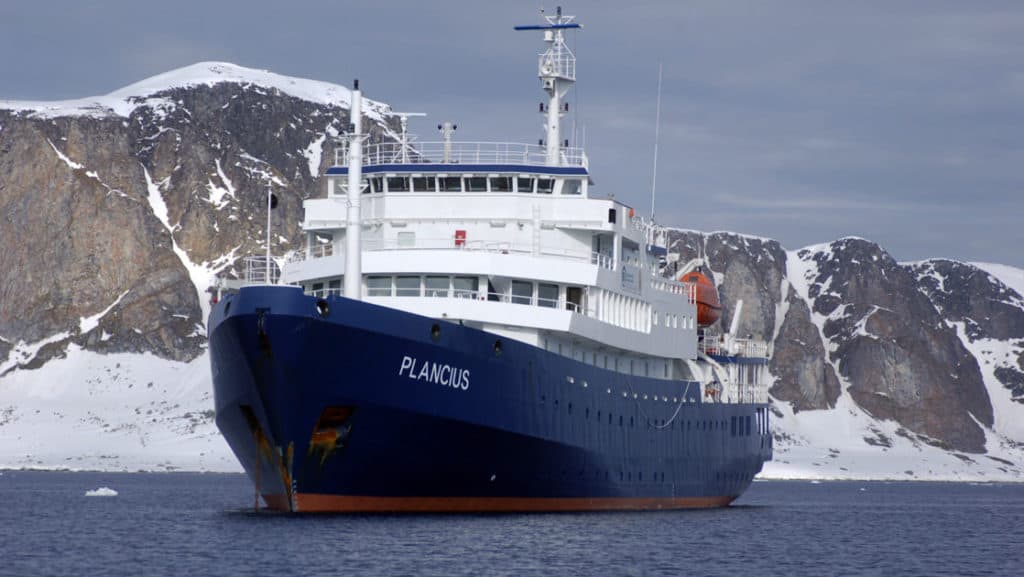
{"points": [[470, 328]]}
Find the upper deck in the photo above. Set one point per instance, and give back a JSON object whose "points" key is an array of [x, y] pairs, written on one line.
{"points": [[444, 156]]}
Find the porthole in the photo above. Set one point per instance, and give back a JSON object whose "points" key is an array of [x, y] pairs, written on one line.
{"points": [[497, 348], [435, 331], [323, 308]]}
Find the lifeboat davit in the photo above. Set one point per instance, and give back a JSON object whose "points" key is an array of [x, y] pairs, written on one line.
{"points": [[708, 306]]}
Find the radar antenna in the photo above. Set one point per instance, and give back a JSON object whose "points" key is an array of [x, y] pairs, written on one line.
{"points": [[404, 138], [556, 68]]}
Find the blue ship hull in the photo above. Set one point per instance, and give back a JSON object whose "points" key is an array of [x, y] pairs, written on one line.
{"points": [[340, 405]]}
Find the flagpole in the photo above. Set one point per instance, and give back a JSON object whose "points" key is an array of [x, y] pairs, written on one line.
{"points": [[270, 196]]}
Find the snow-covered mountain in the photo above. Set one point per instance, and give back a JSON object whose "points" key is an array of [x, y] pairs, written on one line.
{"points": [[118, 210], [881, 369]]}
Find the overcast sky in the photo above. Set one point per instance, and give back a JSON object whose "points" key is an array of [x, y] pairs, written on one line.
{"points": [[900, 122]]}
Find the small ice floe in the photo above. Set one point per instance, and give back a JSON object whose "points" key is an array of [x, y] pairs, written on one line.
{"points": [[815, 482], [863, 489], [101, 492]]}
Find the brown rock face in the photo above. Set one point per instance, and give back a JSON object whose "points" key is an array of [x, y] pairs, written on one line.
{"points": [[803, 375], [883, 328], [82, 201], [986, 307], [901, 359]]}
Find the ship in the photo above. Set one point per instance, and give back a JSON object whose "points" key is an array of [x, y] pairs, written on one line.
{"points": [[470, 327]]}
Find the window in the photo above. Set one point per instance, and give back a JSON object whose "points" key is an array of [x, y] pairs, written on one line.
{"points": [[450, 183], [522, 292], [318, 288], [398, 184], [334, 287], [407, 286], [547, 295], [436, 286], [377, 184], [574, 298], [466, 286], [501, 184], [340, 185], [545, 185], [424, 184], [378, 286], [476, 184], [406, 239], [571, 187], [524, 184]]}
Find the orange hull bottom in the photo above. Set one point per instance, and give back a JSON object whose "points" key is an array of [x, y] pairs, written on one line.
{"points": [[313, 503]]}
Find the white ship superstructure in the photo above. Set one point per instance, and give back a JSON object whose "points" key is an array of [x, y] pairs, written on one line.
{"points": [[510, 238]]}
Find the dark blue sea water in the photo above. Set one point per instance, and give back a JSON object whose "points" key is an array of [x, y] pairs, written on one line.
{"points": [[191, 524]]}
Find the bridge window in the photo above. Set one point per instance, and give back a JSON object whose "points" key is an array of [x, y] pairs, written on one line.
{"points": [[476, 184], [466, 286], [522, 292], [545, 185], [571, 187], [377, 184], [378, 286], [407, 286], [340, 185], [501, 184], [547, 295], [424, 184], [524, 184], [398, 184], [451, 183], [436, 286]]}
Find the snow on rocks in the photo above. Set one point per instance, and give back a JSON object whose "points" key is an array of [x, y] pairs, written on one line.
{"points": [[124, 101]]}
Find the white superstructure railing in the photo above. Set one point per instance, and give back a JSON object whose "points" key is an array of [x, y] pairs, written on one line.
{"points": [[478, 153], [602, 260], [721, 345]]}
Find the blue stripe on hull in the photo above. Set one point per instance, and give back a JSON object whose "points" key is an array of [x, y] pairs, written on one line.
{"points": [[341, 411]]}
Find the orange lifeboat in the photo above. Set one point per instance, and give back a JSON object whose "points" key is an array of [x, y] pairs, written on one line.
{"points": [[708, 306]]}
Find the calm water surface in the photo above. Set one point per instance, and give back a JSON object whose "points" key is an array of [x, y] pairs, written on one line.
{"points": [[191, 524]]}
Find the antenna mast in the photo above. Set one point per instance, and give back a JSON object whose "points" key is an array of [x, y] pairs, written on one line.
{"points": [[556, 68], [657, 135], [404, 139]]}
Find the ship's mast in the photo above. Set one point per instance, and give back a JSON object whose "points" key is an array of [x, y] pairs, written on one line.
{"points": [[556, 68], [353, 226]]}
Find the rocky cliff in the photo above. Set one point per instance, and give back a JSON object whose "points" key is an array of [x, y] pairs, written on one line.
{"points": [[116, 212], [123, 206], [933, 349]]}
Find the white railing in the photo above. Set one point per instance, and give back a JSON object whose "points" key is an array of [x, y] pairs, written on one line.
{"points": [[465, 294], [326, 292], [722, 345], [602, 260], [313, 252], [687, 290], [449, 243], [255, 268], [461, 153]]}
